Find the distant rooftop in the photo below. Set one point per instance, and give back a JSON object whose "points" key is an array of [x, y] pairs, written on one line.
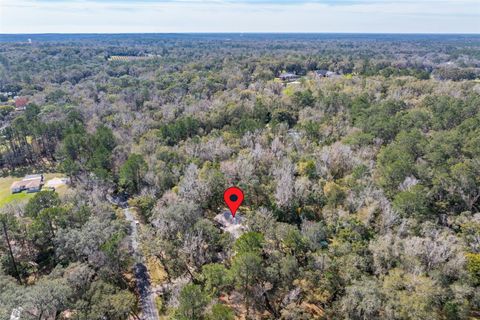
{"points": [[32, 176]]}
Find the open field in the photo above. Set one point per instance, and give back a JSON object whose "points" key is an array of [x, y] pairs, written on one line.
{"points": [[6, 196]]}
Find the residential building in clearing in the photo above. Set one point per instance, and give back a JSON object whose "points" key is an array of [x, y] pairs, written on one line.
{"points": [[287, 76], [324, 73], [31, 183]]}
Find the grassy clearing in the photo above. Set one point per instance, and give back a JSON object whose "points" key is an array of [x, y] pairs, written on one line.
{"points": [[6, 196], [10, 198], [157, 273]]}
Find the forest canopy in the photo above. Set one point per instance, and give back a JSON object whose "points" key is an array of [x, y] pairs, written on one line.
{"points": [[362, 188]]}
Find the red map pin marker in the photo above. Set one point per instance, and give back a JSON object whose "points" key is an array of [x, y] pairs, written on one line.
{"points": [[233, 197]]}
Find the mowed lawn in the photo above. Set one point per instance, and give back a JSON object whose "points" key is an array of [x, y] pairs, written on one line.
{"points": [[7, 197]]}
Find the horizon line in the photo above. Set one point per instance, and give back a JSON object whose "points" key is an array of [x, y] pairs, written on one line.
{"points": [[249, 32]]}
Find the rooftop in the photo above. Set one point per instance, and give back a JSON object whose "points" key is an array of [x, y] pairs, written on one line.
{"points": [[32, 181], [32, 176]]}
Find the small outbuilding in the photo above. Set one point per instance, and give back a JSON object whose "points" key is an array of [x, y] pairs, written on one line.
{"points": [[228, 223], [321, 73], [287, 76], [324, 73]]}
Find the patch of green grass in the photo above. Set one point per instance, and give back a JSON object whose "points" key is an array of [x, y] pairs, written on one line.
{"points": [[289, 91], [159, 304], [17, 197], [157, 273]]}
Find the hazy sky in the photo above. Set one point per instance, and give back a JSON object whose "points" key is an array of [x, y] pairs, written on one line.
{"points": [[112, 16]]}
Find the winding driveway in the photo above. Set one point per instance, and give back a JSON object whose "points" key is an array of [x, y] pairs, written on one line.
{"points": [[147, 298]]}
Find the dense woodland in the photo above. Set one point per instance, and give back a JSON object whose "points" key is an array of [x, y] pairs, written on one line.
{"points": [[362, 191]]}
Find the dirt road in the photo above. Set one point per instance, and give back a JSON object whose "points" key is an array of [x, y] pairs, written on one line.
{"points": [[147, 298]]}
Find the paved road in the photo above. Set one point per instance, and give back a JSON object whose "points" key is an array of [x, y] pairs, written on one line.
{"points": [[147, 299]]}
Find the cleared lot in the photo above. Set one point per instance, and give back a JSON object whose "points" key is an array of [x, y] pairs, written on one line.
{"points": [[52, 179]]}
